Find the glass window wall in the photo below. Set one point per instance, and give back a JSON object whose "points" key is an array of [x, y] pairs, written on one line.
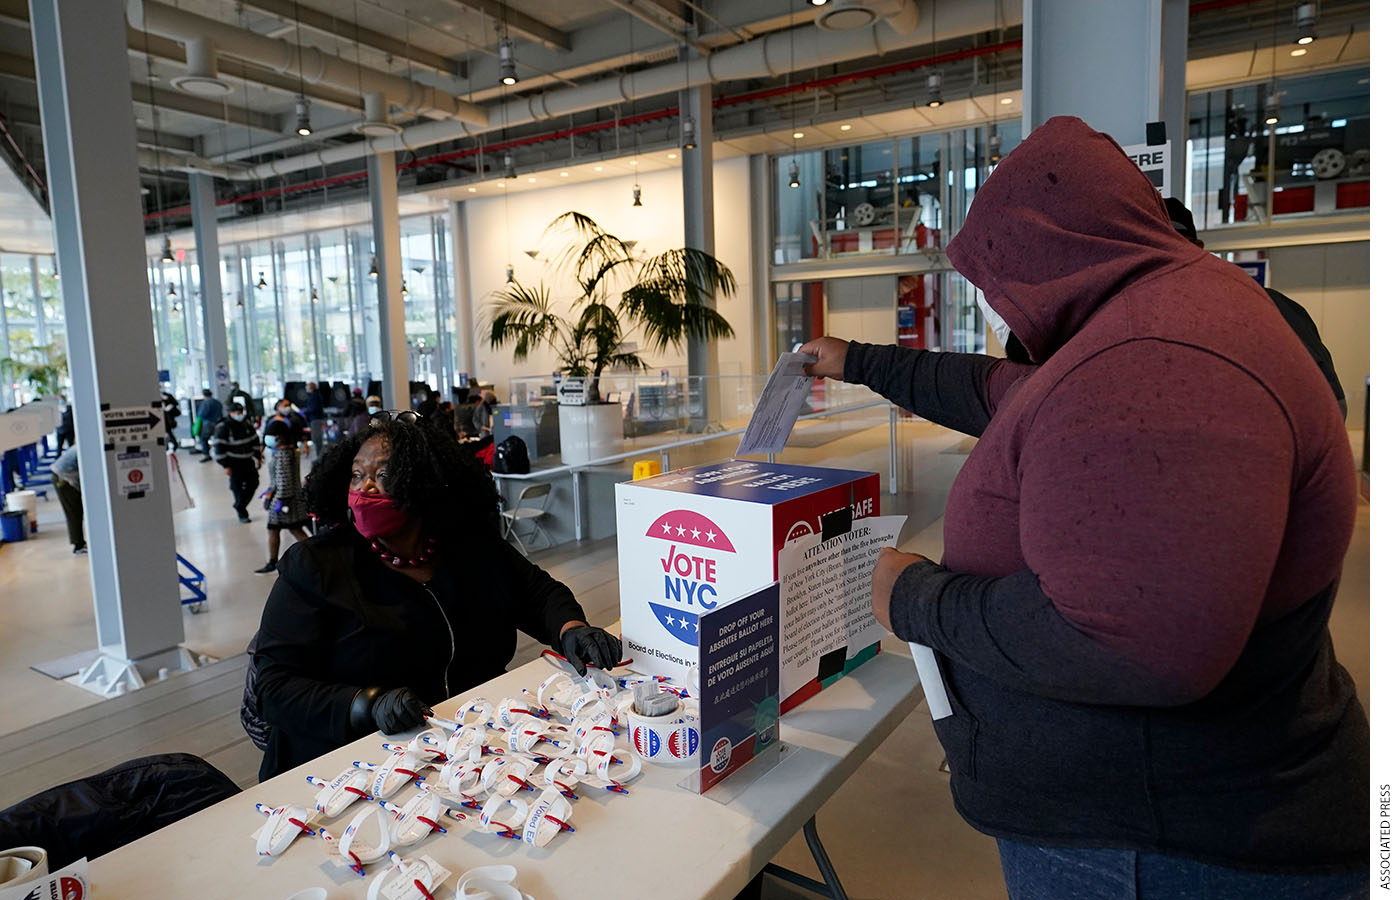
{"points": [[1242, 169], [305, 308]]}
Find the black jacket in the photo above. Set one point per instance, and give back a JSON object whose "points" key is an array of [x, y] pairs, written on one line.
{"points": [[235, 443], [338, 620]]}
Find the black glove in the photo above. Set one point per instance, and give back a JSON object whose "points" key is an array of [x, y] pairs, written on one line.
{"points": [[585, 644], [391, 711]]}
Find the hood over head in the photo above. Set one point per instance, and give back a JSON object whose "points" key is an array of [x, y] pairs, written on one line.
{"points": [[1063, 224]]}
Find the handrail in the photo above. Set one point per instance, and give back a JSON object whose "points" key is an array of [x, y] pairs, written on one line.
{"points": [[687, 442]]}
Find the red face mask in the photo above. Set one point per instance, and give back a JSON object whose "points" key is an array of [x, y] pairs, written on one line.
{"points": [[375, 515]]}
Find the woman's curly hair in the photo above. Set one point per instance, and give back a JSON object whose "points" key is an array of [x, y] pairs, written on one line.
{"points": [[427, 474]]}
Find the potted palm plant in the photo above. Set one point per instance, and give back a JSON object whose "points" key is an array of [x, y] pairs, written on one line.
{"points": [[665, 302], [44, 368]]}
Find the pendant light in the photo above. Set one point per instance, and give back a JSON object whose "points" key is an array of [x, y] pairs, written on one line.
{"points": [[374, 268], [935, 78], [510, 274], [262, 281], [636, 195], [303, 114], [688, 134], [508, 166], [1271, 110], [1305, 16], [935, 91], [167, 255], [793, 180], [403, 288], [507, 50]]}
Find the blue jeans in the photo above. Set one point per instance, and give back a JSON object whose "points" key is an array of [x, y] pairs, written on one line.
{"points": [[1049, 873]]}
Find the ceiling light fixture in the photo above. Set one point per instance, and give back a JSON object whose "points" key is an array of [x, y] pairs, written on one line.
{"points": [[508, 62], [262, 282], [1006, 101], [994, 148], [935, 91], [508, 76], [166, 254], [1271, 110], [1298, 51], [816, 2], [1305, 16], [510, 274], [688, 134], [845, 127], [509, 166], [793, 180], [171, 293], [636, 195], [303, 113], [563, 174], [374, 268], [403, 288], [798, 135], [531, 179], [314, 296]]}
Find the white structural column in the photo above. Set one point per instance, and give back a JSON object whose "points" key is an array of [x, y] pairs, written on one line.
{"points": [[698, 195], [84, 84], [211, 285], [1117, 66], [760, 260], [465, 334], [393, 338]]}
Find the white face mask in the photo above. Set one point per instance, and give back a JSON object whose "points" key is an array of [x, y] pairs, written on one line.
{"points": [[237, 417], [997, 323], [373, 410], [270, 440]]}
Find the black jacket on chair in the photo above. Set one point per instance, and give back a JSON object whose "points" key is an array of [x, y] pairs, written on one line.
{"points": [[98, 814], [339, 620]]}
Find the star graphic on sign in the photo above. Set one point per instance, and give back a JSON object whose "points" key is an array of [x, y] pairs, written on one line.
{"points": [[670, 620], [695, 532], [684, 623], [711, 536], [665, 527]]}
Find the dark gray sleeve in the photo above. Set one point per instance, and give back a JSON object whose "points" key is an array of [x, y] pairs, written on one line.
{"points": [[1008, 630], [956, 390]]}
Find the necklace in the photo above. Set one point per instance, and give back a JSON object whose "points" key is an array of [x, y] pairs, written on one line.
{"points": [[401, 562]]}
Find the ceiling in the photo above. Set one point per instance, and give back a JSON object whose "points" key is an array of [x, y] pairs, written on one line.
{"points": [[452, 45]]}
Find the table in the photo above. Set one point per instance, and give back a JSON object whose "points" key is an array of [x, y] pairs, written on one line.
{"points": [[701, 848]]}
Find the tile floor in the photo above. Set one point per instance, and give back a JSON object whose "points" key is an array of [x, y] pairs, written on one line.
{"points": [[891, 830]]}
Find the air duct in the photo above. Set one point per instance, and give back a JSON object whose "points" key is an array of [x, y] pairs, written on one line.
{"points": [[201, 77], [287, 58], [769, 56]]}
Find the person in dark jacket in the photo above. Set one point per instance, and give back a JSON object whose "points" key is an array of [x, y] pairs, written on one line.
{"points": [[65, 424], [236, 447], [209, 412], [1292, 311], [68, 485], [389, 609], [315, 412], [170, 408], [1140, 554]]}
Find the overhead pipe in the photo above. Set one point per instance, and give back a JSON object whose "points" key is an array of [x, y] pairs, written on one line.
{"points": [[770, 56], [305, 62], [591, 128]]}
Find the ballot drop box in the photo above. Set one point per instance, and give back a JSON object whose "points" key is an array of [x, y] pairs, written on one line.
{"points": [[692, 540]]}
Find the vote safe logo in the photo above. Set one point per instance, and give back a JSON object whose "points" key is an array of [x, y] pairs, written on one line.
{"points": [[691, 546]]}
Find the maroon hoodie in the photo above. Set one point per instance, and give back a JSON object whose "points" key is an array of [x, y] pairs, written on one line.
{"points": [[1142, 550]]}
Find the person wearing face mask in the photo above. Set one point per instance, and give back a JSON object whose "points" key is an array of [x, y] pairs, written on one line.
{"points": [[388, 608], [284, 498], [1140, 554], [284, 411], [235, 447]]}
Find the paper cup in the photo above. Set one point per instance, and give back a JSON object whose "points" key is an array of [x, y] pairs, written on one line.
{"points": [[20, 864]]}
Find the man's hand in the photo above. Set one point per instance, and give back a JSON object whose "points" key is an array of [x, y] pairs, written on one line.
{"points": [[831, 357], [887, 571], [227, 470]]}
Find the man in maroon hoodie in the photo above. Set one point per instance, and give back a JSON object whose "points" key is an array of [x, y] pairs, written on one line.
{"points": [[1140, 554]]}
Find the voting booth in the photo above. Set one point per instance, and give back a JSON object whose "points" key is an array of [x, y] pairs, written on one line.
{"points": [[694, 540]]}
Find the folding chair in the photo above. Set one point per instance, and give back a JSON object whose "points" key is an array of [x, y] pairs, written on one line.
{"points": [[528, 514]]}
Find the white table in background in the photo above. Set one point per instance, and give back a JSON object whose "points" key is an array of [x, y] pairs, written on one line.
{"points": [[693, 846]]}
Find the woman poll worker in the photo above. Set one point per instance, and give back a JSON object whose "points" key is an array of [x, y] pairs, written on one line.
{"points": [[408, 597]]}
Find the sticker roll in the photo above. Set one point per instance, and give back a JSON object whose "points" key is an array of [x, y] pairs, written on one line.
{"points": [[670, 740]]}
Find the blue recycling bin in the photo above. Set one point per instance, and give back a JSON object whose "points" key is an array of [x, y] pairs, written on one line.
{"points": [[12, 525]]}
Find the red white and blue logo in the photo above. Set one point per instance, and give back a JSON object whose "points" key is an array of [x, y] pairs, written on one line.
{"points": [[689, 571], [683, 743]]}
